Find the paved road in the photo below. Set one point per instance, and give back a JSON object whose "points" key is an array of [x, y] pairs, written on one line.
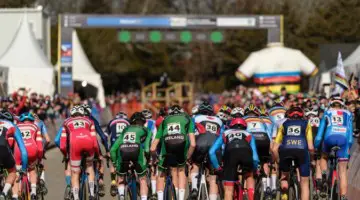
{"points": [[55, 176]]}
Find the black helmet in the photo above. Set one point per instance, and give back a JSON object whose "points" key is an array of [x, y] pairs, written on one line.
{"points": [[121, 115], [6, 115], [162, 112], [137, 117], [175, 109], [206, 109]]}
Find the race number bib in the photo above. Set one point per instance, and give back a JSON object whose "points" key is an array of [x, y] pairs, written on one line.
{"points": [[173, 128], [235, 135], [337, 119], [254, 125], [120, 127], [279, 116], [315, 122], [26, 134], [294, 130], [79, 124], [211, 127], [130, 137]]}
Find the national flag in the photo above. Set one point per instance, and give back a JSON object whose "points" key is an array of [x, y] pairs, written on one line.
{"points": [[341, 83]]}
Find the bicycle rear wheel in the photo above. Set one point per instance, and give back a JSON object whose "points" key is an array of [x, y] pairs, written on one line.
{"points": [[84, 191], [334, 194], [293, 193], [259, 191]]}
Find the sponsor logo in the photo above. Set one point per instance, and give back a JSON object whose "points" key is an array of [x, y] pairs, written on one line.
{"points": [[174, 137], [130, 146], [339, 129]]}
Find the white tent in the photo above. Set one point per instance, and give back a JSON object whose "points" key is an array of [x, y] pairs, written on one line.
{"points": [[27, 64], [352, 62], [84, 71]]}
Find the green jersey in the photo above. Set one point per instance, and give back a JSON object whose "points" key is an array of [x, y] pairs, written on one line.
{"points": [[175, 125]]}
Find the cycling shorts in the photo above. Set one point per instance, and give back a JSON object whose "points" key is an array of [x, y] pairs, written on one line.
{"points": [[340, 141], [79, 145], [132, 153], [32, 152], [301, 157], [262, 141], [173, 154], [6, 157], [233, 159], [203, 145]]}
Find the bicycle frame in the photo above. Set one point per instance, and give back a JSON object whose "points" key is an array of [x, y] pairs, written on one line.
{"points": [[201, 181], [131, 183], [25, 187], [169, 183], [333, 174], [293, 179]]}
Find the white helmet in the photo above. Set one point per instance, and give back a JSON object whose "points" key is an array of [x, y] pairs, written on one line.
{"points": [[77, 110], [237, 111], [195, 110], [223, 116]]}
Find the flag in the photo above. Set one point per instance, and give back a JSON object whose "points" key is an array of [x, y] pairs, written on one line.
{"points": [[341, 83]]}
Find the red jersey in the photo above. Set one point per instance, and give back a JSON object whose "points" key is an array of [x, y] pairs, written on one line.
{"points": [[78, 129], [32, 137]]}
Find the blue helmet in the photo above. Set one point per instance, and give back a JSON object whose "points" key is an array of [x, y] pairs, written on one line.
{"points": [[27, 116]]}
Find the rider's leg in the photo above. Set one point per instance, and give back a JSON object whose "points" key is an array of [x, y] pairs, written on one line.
{"points": [[68, 175], [10, 179], [91, 176], [182, 182], [305, 193], [143, 187], [229, 190], [214, 190], [266, 180], [160, 185], [194, 176], [153, 181], [323, 164], [343, 177], [175, 179], [121, 186], [250, 184], [16, 186], [33, 180], [75, 175]]}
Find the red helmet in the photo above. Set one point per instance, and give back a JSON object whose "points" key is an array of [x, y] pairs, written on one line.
{"points": [[295, 111], [238, 121]]}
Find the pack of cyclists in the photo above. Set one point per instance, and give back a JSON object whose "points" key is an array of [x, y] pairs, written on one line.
{"points": [[250, 145]]}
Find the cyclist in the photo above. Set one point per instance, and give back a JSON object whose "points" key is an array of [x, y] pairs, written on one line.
{"points": [[151, 125], [114, 129], [176, 134], [132, 146], [311, 114], [78, 135], [10, 130], [33, 141], [236, 139], [104, 140], [259, 131], [336, 130], [207, 129], [294, 139]]}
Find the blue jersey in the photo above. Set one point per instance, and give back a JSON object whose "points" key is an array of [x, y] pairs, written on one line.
{"points": [[336, 122], [255, 125], [42, 127], [7, 127], [229, 137], [115, 128]]}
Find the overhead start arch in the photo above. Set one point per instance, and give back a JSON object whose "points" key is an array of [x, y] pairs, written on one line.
{"points": [[68, 22]]}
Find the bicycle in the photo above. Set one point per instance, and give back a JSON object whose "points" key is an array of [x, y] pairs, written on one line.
{"points": [[169, 190], [203, 192], [260, 194], [333, 174], [41, 190], [294, 186], [84, 186], [131, 189], [25, 186], [240, 192]]}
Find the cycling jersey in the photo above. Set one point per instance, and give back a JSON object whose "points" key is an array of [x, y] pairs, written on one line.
{"points": [[8, 131], [336, 129], [267, 121], [293, 137], [314, 123], [276, 127], [78, 136], [207, 130], [235, 141], [132, 145], [33, 143], [173, 134], [115, 128], [42, 127], [277, 113]]}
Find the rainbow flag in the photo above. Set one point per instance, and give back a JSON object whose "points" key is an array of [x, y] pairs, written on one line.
{"points": [[341, 82]]}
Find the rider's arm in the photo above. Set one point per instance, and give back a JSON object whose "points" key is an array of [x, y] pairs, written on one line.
{"points": [[63, 140], [20, 142], [39, 143], [157, 138], [320, 132], [93, 136], [44, 131], [148, 141], [212, 152], [350, 131], [255, 154], [278, 141], [104, 138], [114, 150], [192, 139], [309, 137], [58, 136]]}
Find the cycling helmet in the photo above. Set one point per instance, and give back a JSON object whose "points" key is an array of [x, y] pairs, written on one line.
{"points": [[6, 115], [121, 115], [27, 116], [137, 117], [162, 112], [239, 123], [225, 109], [237, 112], [311, 111], [252, 109], [264, 112], [77, 110], [295, 112], [278, 103], [222, 116], [87, 108], [175, 109], [147, 113], [195, 110], [336, 100], [206, 109]]}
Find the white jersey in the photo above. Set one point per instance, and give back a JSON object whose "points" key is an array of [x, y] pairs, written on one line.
{"points": [[207, 124], [276, 126]]}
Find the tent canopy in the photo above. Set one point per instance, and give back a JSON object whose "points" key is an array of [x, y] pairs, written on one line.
{"points": [[84, 71], [27, 64]]}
